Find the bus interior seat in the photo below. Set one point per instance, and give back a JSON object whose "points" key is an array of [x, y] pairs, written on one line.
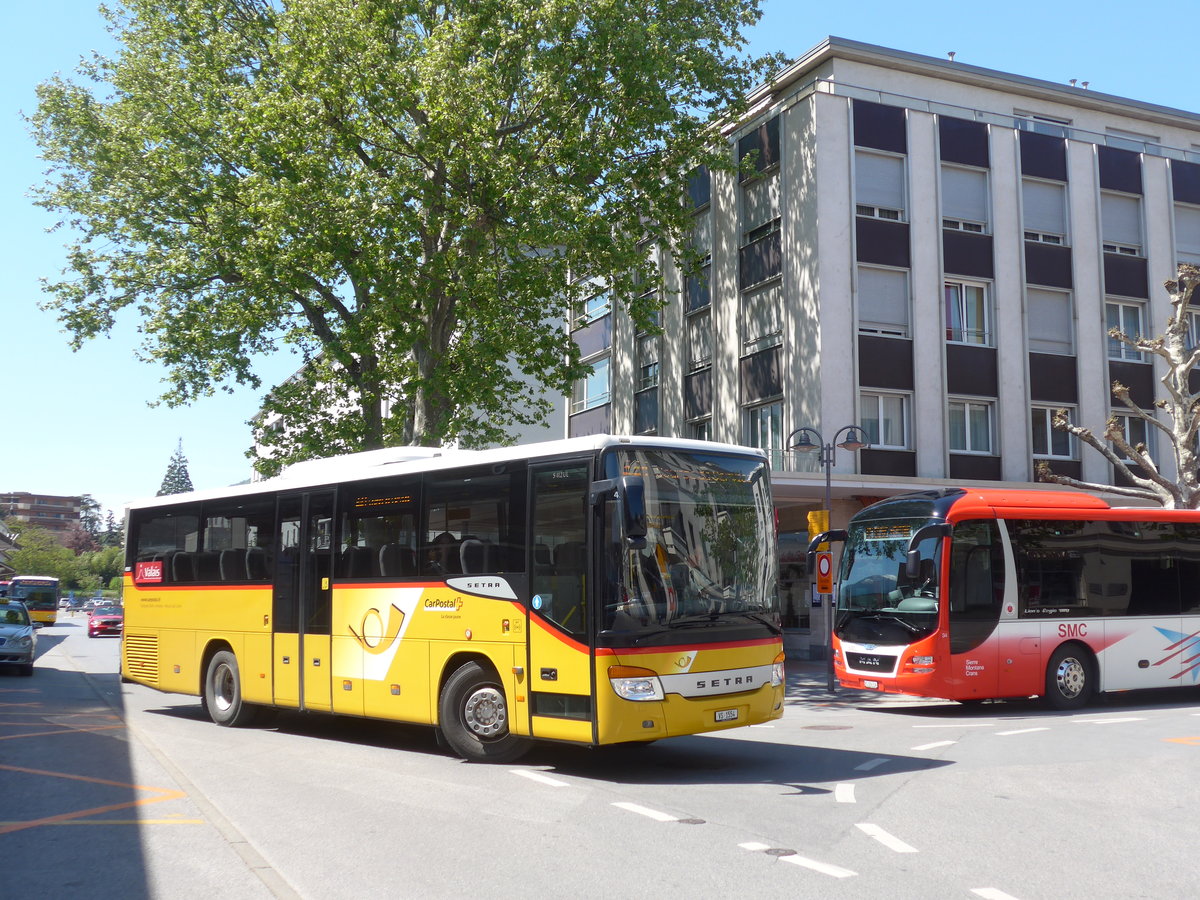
{"points": [[397, 560], [258, 566], [358, 562], [476, 556], [233, 564], [542, 562], [183, 567], [208, 566]]}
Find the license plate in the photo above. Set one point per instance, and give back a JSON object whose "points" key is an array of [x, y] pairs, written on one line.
{"points": [[871, 684], [725, 715]]}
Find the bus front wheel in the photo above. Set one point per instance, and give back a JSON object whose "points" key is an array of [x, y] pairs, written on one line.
{"points": [[223, 692], [473, 715], [1070, 682]]}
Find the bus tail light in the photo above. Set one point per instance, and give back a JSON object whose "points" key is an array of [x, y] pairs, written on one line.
{"points": [[777, 674], [635, 683], [920, 665]]}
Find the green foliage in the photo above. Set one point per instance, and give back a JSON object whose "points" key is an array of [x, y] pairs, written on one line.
{"points": [[40, 553], [407, 195]]}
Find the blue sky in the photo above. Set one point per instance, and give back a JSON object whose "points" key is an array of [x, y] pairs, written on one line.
{"points": [[79, 422]]}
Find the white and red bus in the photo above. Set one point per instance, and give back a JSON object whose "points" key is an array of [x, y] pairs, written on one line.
{"points": [[983, 594]]}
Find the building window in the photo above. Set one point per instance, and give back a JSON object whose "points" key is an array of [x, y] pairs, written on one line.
{"points": [[647, 350], [1124, 316], [879, 185], [883, 306], [764, 430], [1191, 321], [1051, 125], [884, 420], [1121, 223], [1044, 211], [699, 187], [760, 319], [696, 287], [1187, 234], [699, 335], [1135, 431], [763, 142], [760, 258], [592, 308], [1051, 321], [964, 198], [968, 319], [700, 430], [1050, 442], [593, 389], [970, 426]]}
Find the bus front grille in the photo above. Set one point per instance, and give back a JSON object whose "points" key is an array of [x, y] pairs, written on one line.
{"points": [[141, 657], [871, 662]]}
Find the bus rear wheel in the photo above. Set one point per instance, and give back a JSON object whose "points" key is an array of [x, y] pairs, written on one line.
{"points": [[223, 692], [1070, 682], [473, 715]]}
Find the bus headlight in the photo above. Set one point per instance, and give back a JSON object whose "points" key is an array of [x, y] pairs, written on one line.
{"points": [[635, 683], [777, 674], [922, 660]]}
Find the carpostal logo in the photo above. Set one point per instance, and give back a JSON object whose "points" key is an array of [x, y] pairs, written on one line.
{"points": [[449, 605]]}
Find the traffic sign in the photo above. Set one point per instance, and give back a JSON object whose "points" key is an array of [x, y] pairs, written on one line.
{"points": [[825, 573]]}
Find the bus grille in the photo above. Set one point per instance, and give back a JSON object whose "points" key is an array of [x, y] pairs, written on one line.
{"points": [[871, 662], [141, 657]]}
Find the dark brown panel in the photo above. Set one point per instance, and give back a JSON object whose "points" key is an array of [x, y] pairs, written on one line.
{"points": [[1126, 276], [591, 421], [1052, 378], [1069, 467], [760, 376], [964, 253], [902, 463], [971, 371], [1120, 170], [974, 468], [1048, 264], [763, 142], [699, 185], [882, 242], [645, 411], [595, 337], [1043, 156], [885, 362], [963, 141], [760, 260], [1138, 377], [1185, 180], [697, 394], [879, 126]]}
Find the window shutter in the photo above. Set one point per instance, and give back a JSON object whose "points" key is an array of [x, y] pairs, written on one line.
{"points": [[1050, 321], [879, 180], [964, 194], [883, 300], [1122, 221], [1044, 207]]}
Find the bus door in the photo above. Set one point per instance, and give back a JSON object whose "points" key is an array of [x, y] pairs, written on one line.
{"points": [[302, 601], [560, 616]]}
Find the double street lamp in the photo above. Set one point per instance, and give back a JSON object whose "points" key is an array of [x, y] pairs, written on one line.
{"points": [[806, 440]]}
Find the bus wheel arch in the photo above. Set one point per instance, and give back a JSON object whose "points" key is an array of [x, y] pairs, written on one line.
{"points": [[1071, 676], [221, 692], [474, 712]]}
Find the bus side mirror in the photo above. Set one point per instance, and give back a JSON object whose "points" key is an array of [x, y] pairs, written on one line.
{"points": [[633, 506], [912, 564]]}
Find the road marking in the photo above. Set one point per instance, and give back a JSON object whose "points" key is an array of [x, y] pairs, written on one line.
{"points": [[823, 868], [991, 894], [1195, 741], [533, 775], [890, 841], [871, 764], [1108, 721], [755, 846], [1020, 731], [844, 793], [648, 813], [960, 725], [119, 822], [934, 745]]}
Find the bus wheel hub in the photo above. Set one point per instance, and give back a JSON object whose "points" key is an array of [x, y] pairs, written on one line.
{"points": [[484, 713]]}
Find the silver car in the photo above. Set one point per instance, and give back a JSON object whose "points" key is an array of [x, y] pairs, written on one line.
{"points": [[18, 639]]}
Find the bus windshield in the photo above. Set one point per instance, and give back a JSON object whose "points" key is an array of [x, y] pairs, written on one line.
{"points": [[709, 555], [878, 602], [36, 594]]}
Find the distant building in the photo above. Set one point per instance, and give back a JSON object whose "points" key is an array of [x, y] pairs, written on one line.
{"points": [[55, 514]]}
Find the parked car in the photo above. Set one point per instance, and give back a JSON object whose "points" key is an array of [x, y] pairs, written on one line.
{"points": [[106, 620], [18, 638]]}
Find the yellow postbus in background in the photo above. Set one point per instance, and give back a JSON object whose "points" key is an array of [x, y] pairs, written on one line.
{"points": [[39, 593], [594, 590]]}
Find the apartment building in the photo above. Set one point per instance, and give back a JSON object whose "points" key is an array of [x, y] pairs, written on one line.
{"points": [[55, 514], [928, 250]]}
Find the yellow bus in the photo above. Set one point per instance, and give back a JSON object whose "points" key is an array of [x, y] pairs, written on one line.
{"points": [[594, 590], [40, 595]]}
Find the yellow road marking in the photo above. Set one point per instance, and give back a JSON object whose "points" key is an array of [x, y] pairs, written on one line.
{"points": [[1185, 740]]}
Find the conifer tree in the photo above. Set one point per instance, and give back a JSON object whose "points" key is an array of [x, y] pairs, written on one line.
{"points": [[177, 480]]}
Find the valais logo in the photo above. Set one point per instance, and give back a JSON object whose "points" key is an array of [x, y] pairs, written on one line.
{"points": [[148, 571]]}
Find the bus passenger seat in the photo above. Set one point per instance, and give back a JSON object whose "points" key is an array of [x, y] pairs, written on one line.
{"points": [[257, 565], [358, 562], [476, 556], [396, 560], [183, 567], [233, 565]]}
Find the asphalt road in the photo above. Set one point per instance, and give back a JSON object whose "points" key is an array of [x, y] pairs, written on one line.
{"points": [[117, 791]]}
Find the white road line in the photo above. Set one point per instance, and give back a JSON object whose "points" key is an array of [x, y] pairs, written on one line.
{"points": [[844, 793], [960, 725], [648, 813], [762, 726], [823, 868], [991, 894], [1108, 721], [871, 764], [934, 745], [1020, 731], [888, 840], [533, 775], [755, 846]]}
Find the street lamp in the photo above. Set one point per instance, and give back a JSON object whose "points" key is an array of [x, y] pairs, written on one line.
{"points": [[802, 439]]}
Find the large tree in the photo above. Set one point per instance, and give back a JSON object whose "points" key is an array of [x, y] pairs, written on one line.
{"points": [[1177, 421], [177, 479], [406, 193]]}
